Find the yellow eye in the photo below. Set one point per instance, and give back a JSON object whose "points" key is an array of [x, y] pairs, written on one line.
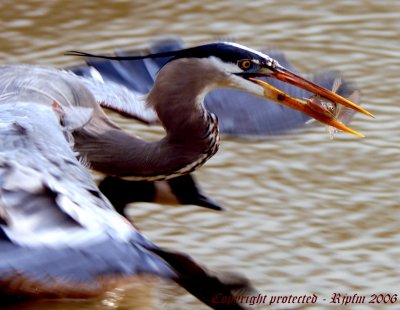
{"points": [[245, 64]]}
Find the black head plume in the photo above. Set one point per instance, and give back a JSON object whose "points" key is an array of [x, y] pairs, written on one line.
{"points": [[136, 57], [228, 52]]}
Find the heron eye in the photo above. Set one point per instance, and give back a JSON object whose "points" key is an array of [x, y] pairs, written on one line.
{"points": [[245, 64]]}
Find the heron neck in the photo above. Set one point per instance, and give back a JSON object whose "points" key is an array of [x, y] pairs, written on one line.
{"points": [[192, 135], [186, 146]]}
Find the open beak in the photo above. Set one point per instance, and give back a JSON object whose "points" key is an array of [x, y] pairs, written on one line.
{"points": [[313, 111]]}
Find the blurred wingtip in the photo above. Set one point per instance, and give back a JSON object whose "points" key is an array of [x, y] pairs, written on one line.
{"points": [[206, 202], [206, 286]]}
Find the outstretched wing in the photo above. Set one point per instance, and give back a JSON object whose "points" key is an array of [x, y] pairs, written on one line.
{"points": [[58, 235], [59, 230]]}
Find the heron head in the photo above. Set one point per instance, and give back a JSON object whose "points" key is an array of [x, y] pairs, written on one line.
{"points": [[243, 66]]}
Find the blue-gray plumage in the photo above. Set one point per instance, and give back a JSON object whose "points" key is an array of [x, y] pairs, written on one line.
{"points": [[56, 224], [52, 206], [59, 236]]}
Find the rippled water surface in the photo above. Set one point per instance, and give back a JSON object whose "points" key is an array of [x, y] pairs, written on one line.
{"points": [[305, 214]]}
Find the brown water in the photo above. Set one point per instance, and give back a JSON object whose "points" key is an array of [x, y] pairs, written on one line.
{"points": [[305, 214]]}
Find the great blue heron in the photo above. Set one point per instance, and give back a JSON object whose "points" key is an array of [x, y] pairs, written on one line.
{"points": [[239, 113], [58, 235]]}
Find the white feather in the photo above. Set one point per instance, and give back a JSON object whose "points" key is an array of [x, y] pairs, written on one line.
{"points": [[119, 98]]}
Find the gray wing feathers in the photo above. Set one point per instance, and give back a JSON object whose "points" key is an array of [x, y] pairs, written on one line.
{"points": [[69, 267], [119, 98], [58, 231], [42, 182]]}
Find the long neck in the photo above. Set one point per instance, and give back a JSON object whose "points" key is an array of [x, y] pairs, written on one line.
{"points": [[191, 135]]}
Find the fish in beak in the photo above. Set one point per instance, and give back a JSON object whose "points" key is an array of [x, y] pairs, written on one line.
{"points": [[342, 113], [309, 107]]}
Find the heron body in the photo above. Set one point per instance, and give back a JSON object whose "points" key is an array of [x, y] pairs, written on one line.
{"points": [[59, 236]]}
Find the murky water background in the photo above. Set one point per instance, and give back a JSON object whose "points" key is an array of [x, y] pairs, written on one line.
{"points": [[305, 214]]}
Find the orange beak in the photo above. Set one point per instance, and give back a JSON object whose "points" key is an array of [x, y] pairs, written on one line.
{"points": [[313, 111], [289, 77]]}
